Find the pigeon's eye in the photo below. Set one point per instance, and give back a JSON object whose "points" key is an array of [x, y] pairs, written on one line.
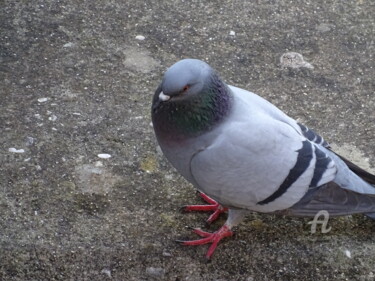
{"points": [[185, 88]]}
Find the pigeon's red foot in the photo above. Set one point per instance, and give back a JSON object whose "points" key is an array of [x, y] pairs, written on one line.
{"points": [[208, 237], [212, 206]]}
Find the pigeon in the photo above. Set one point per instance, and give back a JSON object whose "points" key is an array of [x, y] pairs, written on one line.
{"points": [[243, 154]]}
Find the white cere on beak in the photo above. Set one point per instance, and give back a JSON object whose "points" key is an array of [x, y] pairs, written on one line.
{"points": [[163, 97]]}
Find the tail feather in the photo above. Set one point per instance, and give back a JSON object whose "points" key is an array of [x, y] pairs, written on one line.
{"points": [[371, 215], [334, 199], [366, 176]]}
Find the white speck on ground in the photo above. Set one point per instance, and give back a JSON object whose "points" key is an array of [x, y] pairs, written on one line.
{"points": [[348, 254], [15, 150], [104, 155], [140, 37]]}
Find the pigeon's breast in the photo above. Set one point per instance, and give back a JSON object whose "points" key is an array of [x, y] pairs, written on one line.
{"points": [[180, 152]]}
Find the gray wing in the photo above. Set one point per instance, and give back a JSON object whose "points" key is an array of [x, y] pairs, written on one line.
{"points": [[335, 200]]}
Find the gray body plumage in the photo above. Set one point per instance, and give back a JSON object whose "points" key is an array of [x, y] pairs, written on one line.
{"points": [[254, 157]]}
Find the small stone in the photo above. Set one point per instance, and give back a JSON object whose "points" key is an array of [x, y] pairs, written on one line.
{"points": [[42, 100], [140, 37], [104, 155], [232, 33], [294, 60], [15, 150], [348, 254]]}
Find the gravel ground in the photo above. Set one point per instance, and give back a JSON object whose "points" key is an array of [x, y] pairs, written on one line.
{"points": [[76, 82]]}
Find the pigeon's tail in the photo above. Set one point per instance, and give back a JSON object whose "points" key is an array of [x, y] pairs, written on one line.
{"points": [[366, 176], [371, 215], [335, 200]]}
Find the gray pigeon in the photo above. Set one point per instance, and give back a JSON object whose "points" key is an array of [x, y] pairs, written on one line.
{"points": [[244, 154]]}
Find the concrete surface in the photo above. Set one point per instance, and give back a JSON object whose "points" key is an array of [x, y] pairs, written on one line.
{"points": [[76, 81]]}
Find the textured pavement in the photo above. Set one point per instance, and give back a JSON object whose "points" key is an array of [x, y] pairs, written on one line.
{"points": [[85, 193]]}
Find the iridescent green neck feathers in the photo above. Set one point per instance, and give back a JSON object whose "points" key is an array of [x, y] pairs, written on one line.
{"points": [[179, 119]]}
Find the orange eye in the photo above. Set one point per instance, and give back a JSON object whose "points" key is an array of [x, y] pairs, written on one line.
{"points": [[186, 88]]}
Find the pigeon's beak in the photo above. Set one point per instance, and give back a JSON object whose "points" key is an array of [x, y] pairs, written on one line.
{"points": [[163, 97]]}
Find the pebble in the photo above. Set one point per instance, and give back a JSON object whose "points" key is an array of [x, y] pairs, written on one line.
{"points": [[15, 150], [348, 254], [232, 33], [104, 155], [140, 37], [294, 60], [42, 100]]}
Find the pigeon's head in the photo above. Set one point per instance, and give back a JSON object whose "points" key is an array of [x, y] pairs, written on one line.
{"points": [[190, 100], [184, 79]]}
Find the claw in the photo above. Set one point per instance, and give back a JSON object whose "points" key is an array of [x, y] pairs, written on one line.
{"points": [[208, 237], [212, 206]]}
